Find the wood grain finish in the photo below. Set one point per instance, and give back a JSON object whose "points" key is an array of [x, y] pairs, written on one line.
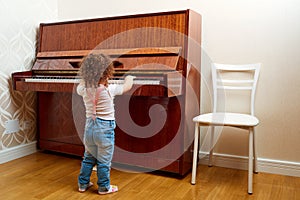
{"points": [[46, 176], [171, 39], [87, 34], [61, 122]]}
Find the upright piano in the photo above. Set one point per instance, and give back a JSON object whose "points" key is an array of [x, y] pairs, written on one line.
{"points": [[154, 119]]}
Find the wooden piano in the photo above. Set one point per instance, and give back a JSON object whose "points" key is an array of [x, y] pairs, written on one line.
{"points": [[154, 119]]}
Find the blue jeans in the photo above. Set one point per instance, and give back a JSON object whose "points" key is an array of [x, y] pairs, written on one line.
{"points": [[99, 139]]}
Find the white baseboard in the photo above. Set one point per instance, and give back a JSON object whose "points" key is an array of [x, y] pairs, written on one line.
{"points": [[13, 153], [263, 165]]}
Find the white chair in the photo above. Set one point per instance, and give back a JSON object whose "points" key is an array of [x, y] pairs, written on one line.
{"points": [[248, 121]]}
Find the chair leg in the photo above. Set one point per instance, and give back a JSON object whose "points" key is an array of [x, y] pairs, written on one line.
{"points": [[250, 162], [255, 170], [211, 146], [195, 154]]}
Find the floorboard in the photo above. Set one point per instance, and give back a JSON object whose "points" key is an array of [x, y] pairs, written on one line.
{"points": [[45, 175]]}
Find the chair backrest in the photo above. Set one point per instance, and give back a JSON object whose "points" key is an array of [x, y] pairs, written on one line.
{"points": [[235, 77]]}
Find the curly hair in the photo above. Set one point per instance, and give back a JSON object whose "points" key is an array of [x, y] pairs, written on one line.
{"points": [[95, 69]]}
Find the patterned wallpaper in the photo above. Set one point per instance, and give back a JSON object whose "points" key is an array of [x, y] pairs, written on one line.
{"points": [[19, 22]]}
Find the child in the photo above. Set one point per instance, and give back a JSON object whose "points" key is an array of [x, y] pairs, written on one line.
{"points": [[98, 97]]}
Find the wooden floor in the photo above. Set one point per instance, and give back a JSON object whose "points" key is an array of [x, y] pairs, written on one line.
{"points": [[50, 176]]}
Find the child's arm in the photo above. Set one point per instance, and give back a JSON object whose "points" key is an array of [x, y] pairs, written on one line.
{"points": [[128, 82], [80, 88]]}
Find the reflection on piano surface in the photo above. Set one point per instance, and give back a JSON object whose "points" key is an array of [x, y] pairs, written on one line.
{"points": [[154, 119]]}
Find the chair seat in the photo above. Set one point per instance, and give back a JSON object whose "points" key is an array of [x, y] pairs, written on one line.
{"points": [[227, 119]]}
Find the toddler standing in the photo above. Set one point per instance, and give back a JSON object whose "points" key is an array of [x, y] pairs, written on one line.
{"points": [[99, 135]]}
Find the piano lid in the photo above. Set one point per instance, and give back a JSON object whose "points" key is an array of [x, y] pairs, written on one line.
{"points": [[151, 58]]}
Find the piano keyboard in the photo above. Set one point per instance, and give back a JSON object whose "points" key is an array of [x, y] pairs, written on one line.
{"points": [[77, 80]]}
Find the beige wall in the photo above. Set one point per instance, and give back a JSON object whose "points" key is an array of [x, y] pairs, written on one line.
{"points": [[18, 33], [236, 31], [267, 32]]}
